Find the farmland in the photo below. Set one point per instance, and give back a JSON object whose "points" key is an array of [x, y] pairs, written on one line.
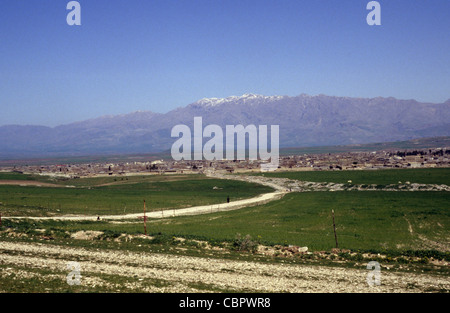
{"points": [[406, 231], [106, 195], [382, 177]]}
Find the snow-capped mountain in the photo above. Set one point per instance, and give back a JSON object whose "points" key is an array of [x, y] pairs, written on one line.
{"points": [[304, 120], [247, 98]]}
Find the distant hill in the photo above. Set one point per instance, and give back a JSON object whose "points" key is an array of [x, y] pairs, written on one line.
{"points": [[305, 121]]}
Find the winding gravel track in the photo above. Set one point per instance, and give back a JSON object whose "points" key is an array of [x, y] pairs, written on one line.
{"points": [[279, 192], [281, 186]]}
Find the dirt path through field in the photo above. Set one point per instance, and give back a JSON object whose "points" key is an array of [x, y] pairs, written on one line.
{"points": [[281, 186], [279, 192], [29, 183], [176, 273]]}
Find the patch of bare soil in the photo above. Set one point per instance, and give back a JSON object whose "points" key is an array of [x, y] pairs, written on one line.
{"points": [[86, 235], [29, 183]]}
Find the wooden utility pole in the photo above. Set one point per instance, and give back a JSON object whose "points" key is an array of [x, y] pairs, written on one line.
{"points": [[145, 221], [334, 228]]}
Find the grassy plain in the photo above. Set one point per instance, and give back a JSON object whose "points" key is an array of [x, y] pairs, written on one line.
{"points": [[365, 220], [379, 177], [406, 231], [117, 195]]}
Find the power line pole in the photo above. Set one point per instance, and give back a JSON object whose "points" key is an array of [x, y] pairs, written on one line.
{"points": [[145, 221], [334, 228]]}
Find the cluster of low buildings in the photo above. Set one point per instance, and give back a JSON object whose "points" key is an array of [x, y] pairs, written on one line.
{"points": [[422, 158]]}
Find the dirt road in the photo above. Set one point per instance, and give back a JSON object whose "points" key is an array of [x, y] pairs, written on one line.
{"points": [[281, 186], [280, 191]]}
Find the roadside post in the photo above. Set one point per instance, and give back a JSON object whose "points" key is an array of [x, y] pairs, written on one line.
{"points": [[334, 228], [145, 221]]}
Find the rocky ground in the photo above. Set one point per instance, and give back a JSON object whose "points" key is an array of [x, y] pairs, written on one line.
{"points": [[153, 272]]}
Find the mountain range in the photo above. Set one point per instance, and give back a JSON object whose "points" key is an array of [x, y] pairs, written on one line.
{"points": [[304, 121]]}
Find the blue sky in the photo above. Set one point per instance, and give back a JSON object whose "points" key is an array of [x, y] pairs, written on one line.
{"points": [[158, 55]]}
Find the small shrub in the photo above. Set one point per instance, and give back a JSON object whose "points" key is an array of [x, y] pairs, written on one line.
{"points": [[245, 244]]}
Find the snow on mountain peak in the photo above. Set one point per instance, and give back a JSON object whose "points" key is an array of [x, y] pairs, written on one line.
{"points": [[211, 102]]}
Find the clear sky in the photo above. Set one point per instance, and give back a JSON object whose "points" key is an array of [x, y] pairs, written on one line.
{"points": [[158, 55]]}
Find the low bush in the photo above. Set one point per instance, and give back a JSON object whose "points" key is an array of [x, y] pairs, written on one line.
{"points": [[245, 244]]}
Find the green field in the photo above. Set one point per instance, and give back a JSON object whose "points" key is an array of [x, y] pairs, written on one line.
{"points": [[119, 195], [365, 220], [379, 177], [378, 220], [17, 176]]}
